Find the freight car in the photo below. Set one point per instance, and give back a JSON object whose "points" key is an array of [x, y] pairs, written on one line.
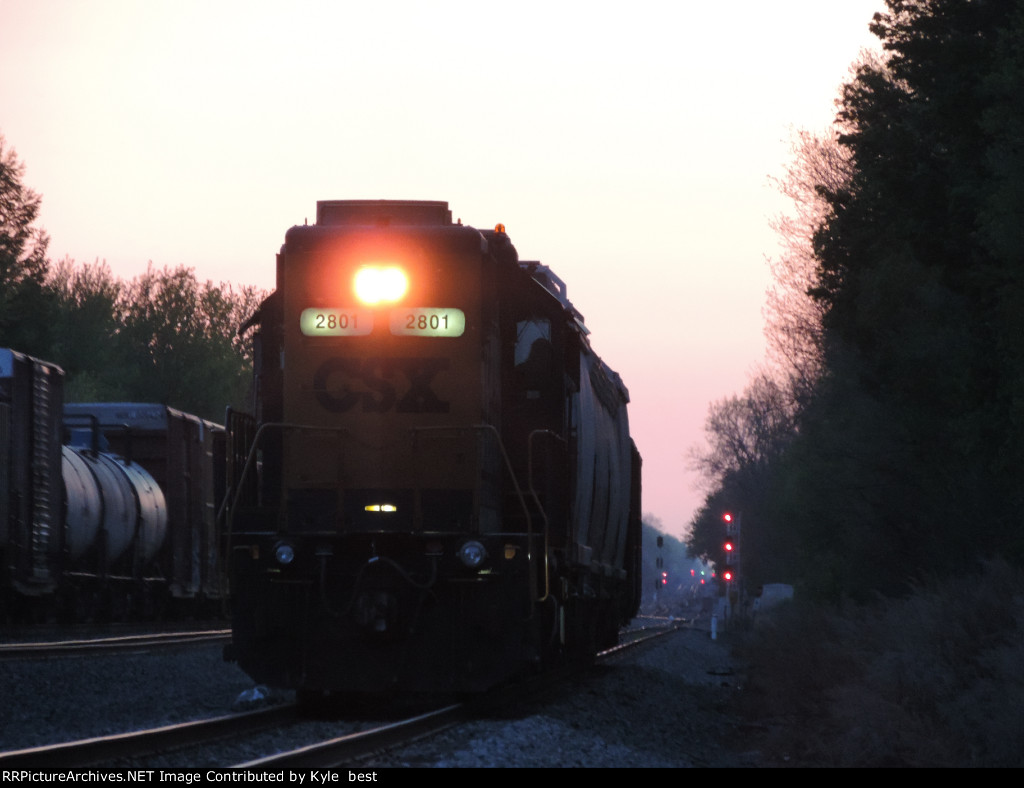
{"points": [[107, 511], [437, 489], [177, 572]]}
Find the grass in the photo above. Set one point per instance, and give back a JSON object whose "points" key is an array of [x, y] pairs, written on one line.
{"points": [[934, 679]]}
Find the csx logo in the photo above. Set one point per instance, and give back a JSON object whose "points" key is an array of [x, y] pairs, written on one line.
{"points": [[373, 385]]}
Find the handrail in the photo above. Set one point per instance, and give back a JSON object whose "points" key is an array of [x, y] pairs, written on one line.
{"points": [[415, 431], [501, 447], [536, 500], [249, 460]]}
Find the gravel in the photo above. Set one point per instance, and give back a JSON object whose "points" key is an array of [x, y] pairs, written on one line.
{"points": [[77, 697], [668, 705]]}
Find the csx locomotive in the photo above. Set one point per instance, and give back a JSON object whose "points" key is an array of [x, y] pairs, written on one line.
{"points": [[437, 489]]}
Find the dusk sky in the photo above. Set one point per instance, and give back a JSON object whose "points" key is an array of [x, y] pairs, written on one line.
{"points": [[629, 146]]}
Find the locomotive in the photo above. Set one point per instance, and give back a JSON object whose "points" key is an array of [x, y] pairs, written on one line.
{"points": [[436, 490], [107, 510]]}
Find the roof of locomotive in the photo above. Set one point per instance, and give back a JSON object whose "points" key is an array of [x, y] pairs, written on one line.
{"points": [[383, 212]]}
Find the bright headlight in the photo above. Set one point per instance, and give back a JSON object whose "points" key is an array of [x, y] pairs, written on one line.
{"points": [[378, 284]]}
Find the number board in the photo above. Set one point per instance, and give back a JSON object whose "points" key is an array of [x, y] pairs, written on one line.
{"points": [[417, 322], [428, 322], [335, 322]]}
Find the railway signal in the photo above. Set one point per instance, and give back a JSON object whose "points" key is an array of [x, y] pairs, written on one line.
{"points": [[731, 550], [730, 547]]}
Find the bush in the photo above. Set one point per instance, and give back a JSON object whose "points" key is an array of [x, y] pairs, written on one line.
{"points": [[929, 680]]}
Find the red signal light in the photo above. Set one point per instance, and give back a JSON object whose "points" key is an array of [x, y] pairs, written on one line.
{"points": [[727, 517], [727, 575], [729, 547]]}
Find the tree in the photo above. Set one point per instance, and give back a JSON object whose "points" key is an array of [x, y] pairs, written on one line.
{"points": [[905, 366], [919, 282], [744, 434], [180, 342], [163, 337], [793, 317], [86, 336], [747, 437], [24, 308]]}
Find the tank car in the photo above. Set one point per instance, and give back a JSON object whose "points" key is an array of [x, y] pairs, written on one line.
{"points": [[167, 559], [106, 510], [437, 489]]}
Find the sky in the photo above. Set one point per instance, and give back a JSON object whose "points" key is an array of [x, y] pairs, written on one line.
{"points": [[630, 147]]}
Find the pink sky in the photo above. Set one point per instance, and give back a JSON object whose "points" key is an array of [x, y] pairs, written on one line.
{"points": [[629, 150]]}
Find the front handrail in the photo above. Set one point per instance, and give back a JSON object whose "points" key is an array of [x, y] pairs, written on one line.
{"points": [[251, 456], [536, 501], [266, 427], [504, 455]]}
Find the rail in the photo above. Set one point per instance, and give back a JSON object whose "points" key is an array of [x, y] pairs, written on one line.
{"points": [[103, 750], [52, 648], [351, 748]]}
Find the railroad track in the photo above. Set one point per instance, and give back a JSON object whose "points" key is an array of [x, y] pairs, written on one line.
{"points": [[354, 747], [120, 643], [346, 749], [109, 750]]}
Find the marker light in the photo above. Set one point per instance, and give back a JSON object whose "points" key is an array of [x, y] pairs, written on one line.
{"points": [[374, 284], [472, 554], [284, 553], [380, 507]]}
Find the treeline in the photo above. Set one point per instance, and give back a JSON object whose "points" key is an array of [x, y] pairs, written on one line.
{"points": [[162, 337], [885, 444]]}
